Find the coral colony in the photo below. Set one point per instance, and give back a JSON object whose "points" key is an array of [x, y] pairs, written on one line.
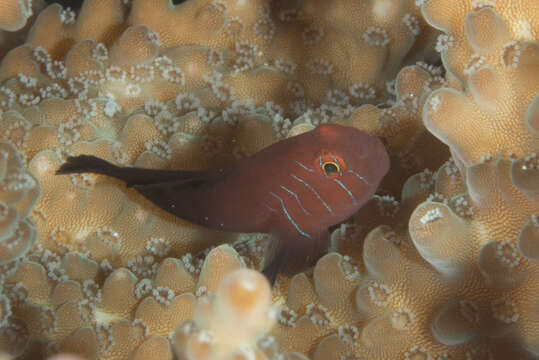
{"points": [[442, 263]]}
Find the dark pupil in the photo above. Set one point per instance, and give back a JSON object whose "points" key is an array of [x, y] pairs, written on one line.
{"points": [[330, 168]]}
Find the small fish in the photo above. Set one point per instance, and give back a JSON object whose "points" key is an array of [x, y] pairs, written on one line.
{"points": [[294, 189]]}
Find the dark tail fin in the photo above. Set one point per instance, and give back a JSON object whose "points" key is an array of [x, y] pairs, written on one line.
{"points": [[86, 163], [131, 175]]}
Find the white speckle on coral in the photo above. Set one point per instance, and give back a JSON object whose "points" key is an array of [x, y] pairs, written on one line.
{"points": [[265, 28], [431, 215], [319, 66], [132, 90], [348, 334], [55, 271], [462, 206], [437, 197], [186, 102], [142, 266], [154, 38], [426, 179], [412, 23], [143, 288], [91, 290], [535, 220], [318, 314], [41, 55], [511, 54], [78, 86], [286, 66], [402, 319], [522, 30], [193, 265], [380, 294], [93, 77], [29, 99], [17, 133], [475, 63], [433, 70], [162, 62], [508, 252], [287, 317], [173, 74], [153, 107], [105, 337], [47, 319], [27, 81], [376, 36], [56, 70], [109, 237], [362, 91], [336, 97], [233, 26], [100, 52], [387, 205], [476, 5], [68, 132], [158, 246], [444, 42], [140, 323], [505, 311], [530, 162], [67, 16], [86, 310], [205, 337], [159, 148], [7, 97], [86, 108], [141, 73], [486, 158], [115, 73], [163, 295], [111, 107], [243, 63], [435, 103], [417, 353]]}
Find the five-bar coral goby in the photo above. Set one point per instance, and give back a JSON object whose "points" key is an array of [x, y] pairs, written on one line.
{"points": [[294, 189]]}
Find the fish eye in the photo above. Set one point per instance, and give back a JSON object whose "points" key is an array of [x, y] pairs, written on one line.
{"points": [[331, 168]]}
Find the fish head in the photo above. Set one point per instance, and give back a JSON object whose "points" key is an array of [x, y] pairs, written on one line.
{"points": [[349, 165]]}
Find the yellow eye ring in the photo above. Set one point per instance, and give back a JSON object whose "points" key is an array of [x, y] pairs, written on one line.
{"points": [[331, 168]]}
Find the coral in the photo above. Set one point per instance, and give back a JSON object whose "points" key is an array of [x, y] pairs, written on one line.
{"points": [[14, 14], [19, 191], [16, 18], [229, 324], [442, 263], [500, 97]]}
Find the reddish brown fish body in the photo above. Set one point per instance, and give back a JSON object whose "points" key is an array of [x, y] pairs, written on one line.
{"points": [[294, 189]]}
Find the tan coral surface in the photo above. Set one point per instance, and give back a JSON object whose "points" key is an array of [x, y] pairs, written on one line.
{"points": [[442, 263]]}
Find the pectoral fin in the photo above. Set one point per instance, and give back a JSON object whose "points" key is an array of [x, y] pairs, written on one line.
{"points": [[291, 253]]}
